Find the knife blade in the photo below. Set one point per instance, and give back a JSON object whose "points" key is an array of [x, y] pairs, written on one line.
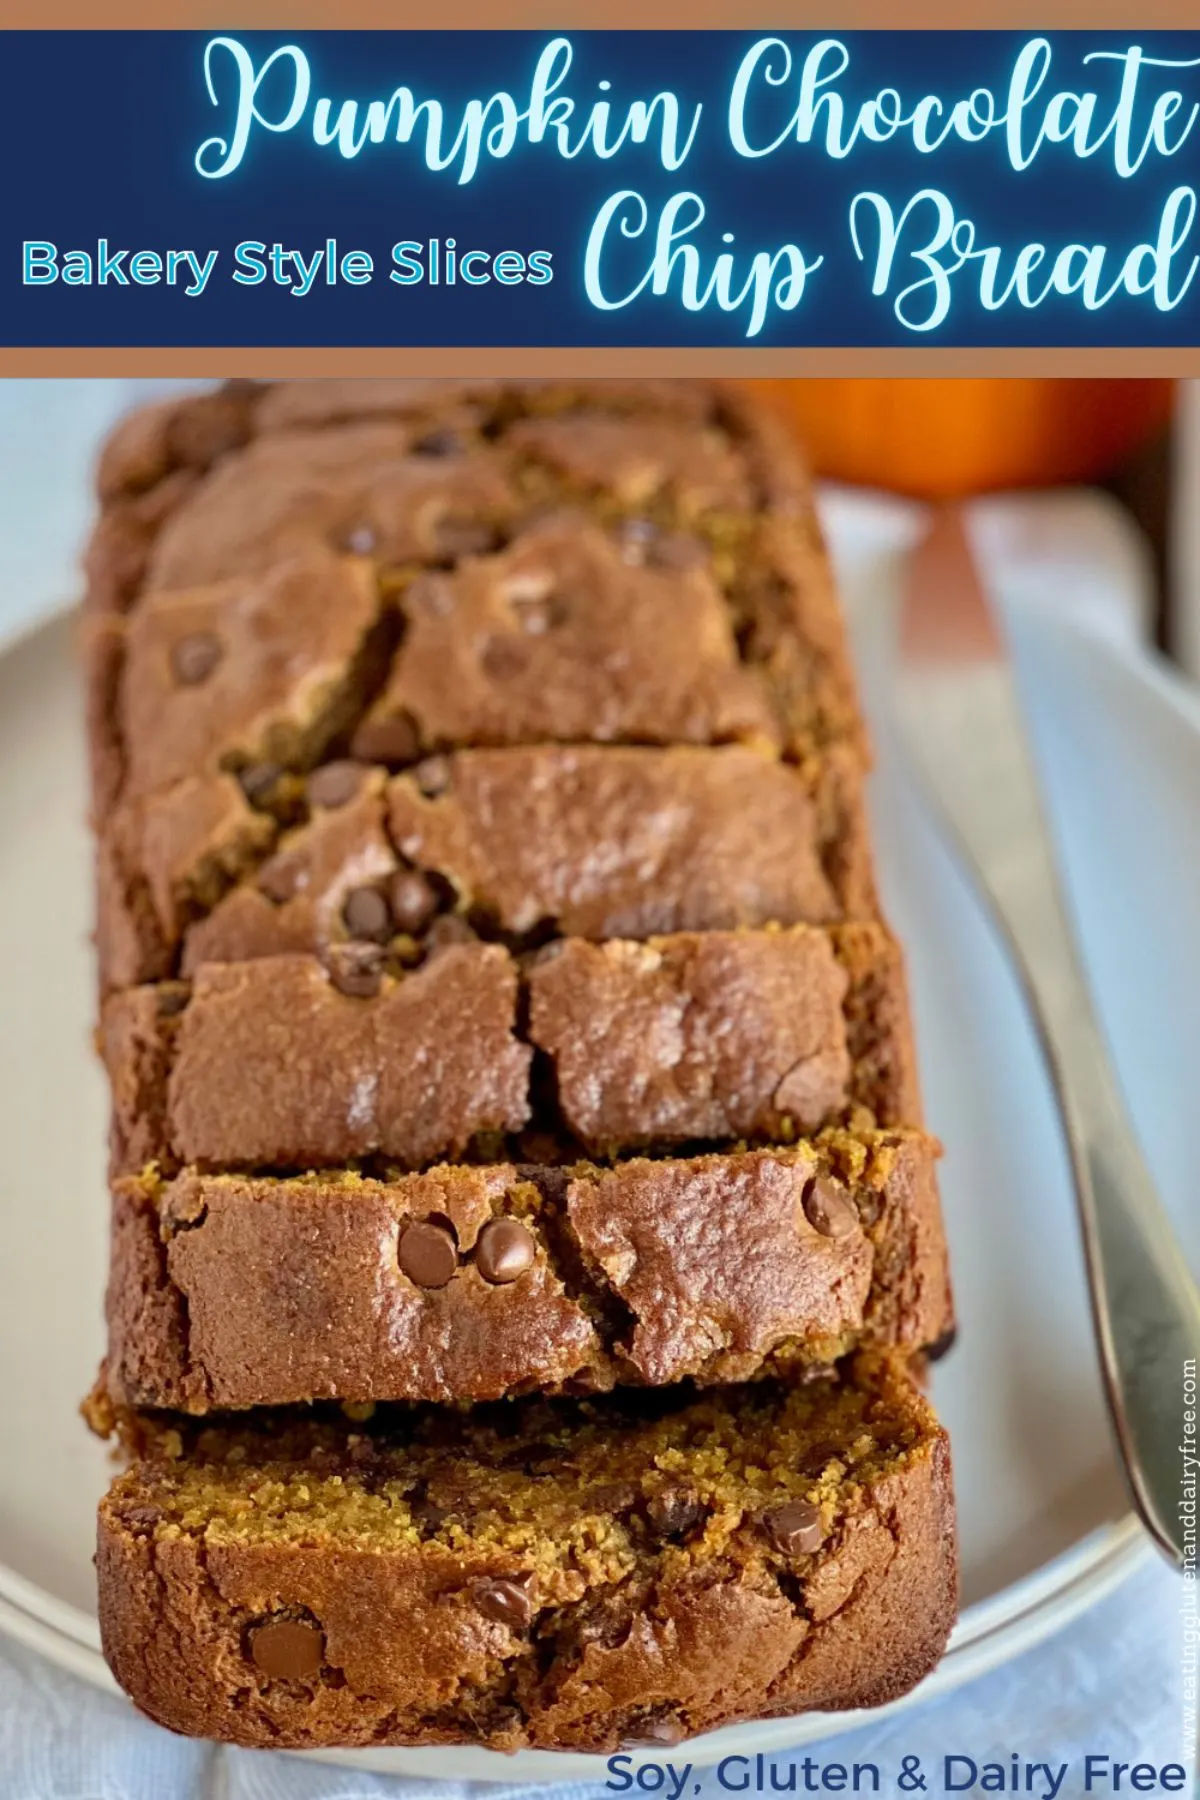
{"points": [[959, 720]]}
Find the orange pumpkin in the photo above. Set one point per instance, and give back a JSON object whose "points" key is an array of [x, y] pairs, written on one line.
{"points": [[943, 439]]}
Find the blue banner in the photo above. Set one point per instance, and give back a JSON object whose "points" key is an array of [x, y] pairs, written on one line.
{"points": [[600, 189]]}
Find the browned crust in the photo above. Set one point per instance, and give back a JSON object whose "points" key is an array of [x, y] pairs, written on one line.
{"points": [[233, 1293], [150, 909], [707, 1644], [244, 1102]]}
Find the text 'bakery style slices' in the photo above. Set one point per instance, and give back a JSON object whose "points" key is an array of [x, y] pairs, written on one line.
{"points": [[495, 1002]]}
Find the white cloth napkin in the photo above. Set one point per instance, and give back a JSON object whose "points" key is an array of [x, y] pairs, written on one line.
{"points": [[1109, 1683]]}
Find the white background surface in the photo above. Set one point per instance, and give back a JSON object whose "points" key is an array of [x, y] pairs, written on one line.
{"points": [[1110, 1683]]}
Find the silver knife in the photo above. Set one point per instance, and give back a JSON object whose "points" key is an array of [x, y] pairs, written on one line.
{"points": [[960, 721]]}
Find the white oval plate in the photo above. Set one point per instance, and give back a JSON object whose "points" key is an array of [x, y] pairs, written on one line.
{"points": [[1044, 1523]]}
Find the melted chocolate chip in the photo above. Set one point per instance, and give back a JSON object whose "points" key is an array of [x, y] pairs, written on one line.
{"points": [[829, 1208], [674, 1511], [504, 1251], [288, 1649], [194, 658], [433, 776], [394, 740], [942, 1346], [427, 1254], [334, 784], [446, 931], [442, 441], [142, 1519], [356, 969], [367, 915], [412, 900], [171, 998], [505, 1603], [258, 781], [795, 1529], [278, 879]]}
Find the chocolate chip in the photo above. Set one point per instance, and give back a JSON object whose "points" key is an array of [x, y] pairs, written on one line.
{"points": [[674, 1511], [427, 1254], [412, 900], [457, 534], [194, 658], [394, 740], [356, 969], [446, 932], [142, 1519], [795, 1529], [428, 1516], [504, 1251], [171, 998], [829, 1208], [288, 1649], [442, 441], [505, 1603], [367, 914], [279, 878], [433, 776], [258, 780], [942, 1346], [361, 540], [334, 784]]}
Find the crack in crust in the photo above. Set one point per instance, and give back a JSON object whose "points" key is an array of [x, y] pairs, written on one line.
{"points": [[668, 501]]}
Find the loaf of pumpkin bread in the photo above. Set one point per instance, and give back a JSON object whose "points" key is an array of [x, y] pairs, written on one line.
{"points": [[497, 1006]]}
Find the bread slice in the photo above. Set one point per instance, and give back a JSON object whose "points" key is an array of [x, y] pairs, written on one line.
{"points": [[567, 1575], [292, 1062], [522, 843], [470, 1283]]}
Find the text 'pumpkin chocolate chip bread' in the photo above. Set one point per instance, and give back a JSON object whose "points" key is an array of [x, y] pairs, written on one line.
{"points": [[504, 1043]]}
